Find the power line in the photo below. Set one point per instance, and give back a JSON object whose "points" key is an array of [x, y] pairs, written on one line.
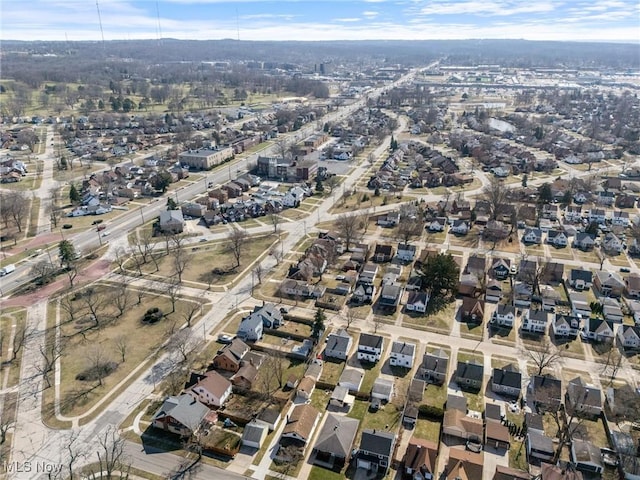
{"points": [[100, 20], [158, 17]]}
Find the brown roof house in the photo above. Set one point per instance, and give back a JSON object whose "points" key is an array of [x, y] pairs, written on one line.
{"points": [[305, 388], [301, 423], [457, 424], [211, 389], [245, 377], [419, 461], [229, 358], [464, 465], [472, 310]]}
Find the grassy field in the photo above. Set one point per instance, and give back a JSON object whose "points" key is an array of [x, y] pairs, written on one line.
{"points": [[331, 371], [12, 322], [427, 430], [203, 259], [100, 345]]}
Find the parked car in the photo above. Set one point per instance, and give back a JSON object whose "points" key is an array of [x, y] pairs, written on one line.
{"points": [[224, 338]]}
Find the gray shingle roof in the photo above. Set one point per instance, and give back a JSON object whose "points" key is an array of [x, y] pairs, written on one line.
{"points": [[337, 435], [185, 409]]}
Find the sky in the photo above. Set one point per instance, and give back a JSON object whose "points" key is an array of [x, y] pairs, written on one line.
{"points": [[564, 20]]}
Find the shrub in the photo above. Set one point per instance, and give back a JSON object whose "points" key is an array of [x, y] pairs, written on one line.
{"points": [[97, 372], [431, 412], [152, 315]]}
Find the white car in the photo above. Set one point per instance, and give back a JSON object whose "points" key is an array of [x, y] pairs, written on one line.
{"points": [[224, 338], [513, 270], [105, 234]]}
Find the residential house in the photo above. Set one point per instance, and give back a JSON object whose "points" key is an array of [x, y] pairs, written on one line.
{"points": [[611, 309], [605, 198], [629, 337], [620, 219], [402, 354], [586, 457], [382, 389], [504, 316], [305, 388], [632, 286], [171, 222], [341, 399], [301, 423], [456, 424], [314, 370], [534, 321], [539, 446], [211, 389], [469, 285], [390, 297], [406, 253], [434, 367], [250, 328], [464, 465], [415, 396], [552, 273], [507, 381], [612, 244], [270, 315], [338, 345], [181, 415], [581, 279], [244, 378], [506, 473], [495, 230], [584, 241], [469, 375], [532, 235], [582, 399], [364, 293], [544, 392], [573, 214], [580, 306], [533, 422], [376, 450], [609, 284], [417, 302], [598, 330], [351, 378], [501, 268], [229, 358], [472, 310], [300, 288], [476, 265], [634, 308], [370, 347], [460, 227], [496, 435], [389, 220], [254, 434], [437, 224], [419, 461], [383, 253], [270, 417], [597, 215], [493, 291], [557, 238], [334, 442], [565, 325]]}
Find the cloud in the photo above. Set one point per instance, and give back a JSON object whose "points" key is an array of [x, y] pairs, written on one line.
{"points": [[486, 8], [370, 14], [347, 20]]}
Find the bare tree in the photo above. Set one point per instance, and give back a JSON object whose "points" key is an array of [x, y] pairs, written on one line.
{"points": [[98, 363], [112, 459], [613, 363], [349, 227], [122, 345], [332, 182], [121, 258], [272, 372], [54, 209], [258, 272], [181, 260], [183, 343], [277, 254], [95, 303], [496, 195], [190, 311], [75, 452], [171, 289], [602, 256], [20, 336], [50, 351], [43, 271], [283, 147], [236, 244], [350, 316], [544, 356], [275, 220], [409, 227], [377, 323]]}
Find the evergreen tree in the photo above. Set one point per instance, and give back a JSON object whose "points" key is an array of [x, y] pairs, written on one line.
{"points": [[74, 195], [318, 323]]}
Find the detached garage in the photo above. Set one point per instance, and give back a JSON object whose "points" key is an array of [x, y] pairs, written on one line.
{"points": [[254, 435]]}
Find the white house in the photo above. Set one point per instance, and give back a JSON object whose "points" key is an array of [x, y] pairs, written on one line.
{"points": [[584, 241], [212, 389], [460, 227], [620, 219], [612, 243], [406, 252], [580, 197], [417, 302], [504, 316], [382, 389], [250, 329], [597, 215], [402, 354], [598, 330], [532, 235], [493, 291], [565, 325], [535, 321], [370, 347], [573, 214], [557, 238], [580, 279], [629, 336], [437, 224]]}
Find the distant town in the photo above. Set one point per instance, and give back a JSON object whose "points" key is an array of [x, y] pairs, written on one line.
{"points": [[320, 267]]}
